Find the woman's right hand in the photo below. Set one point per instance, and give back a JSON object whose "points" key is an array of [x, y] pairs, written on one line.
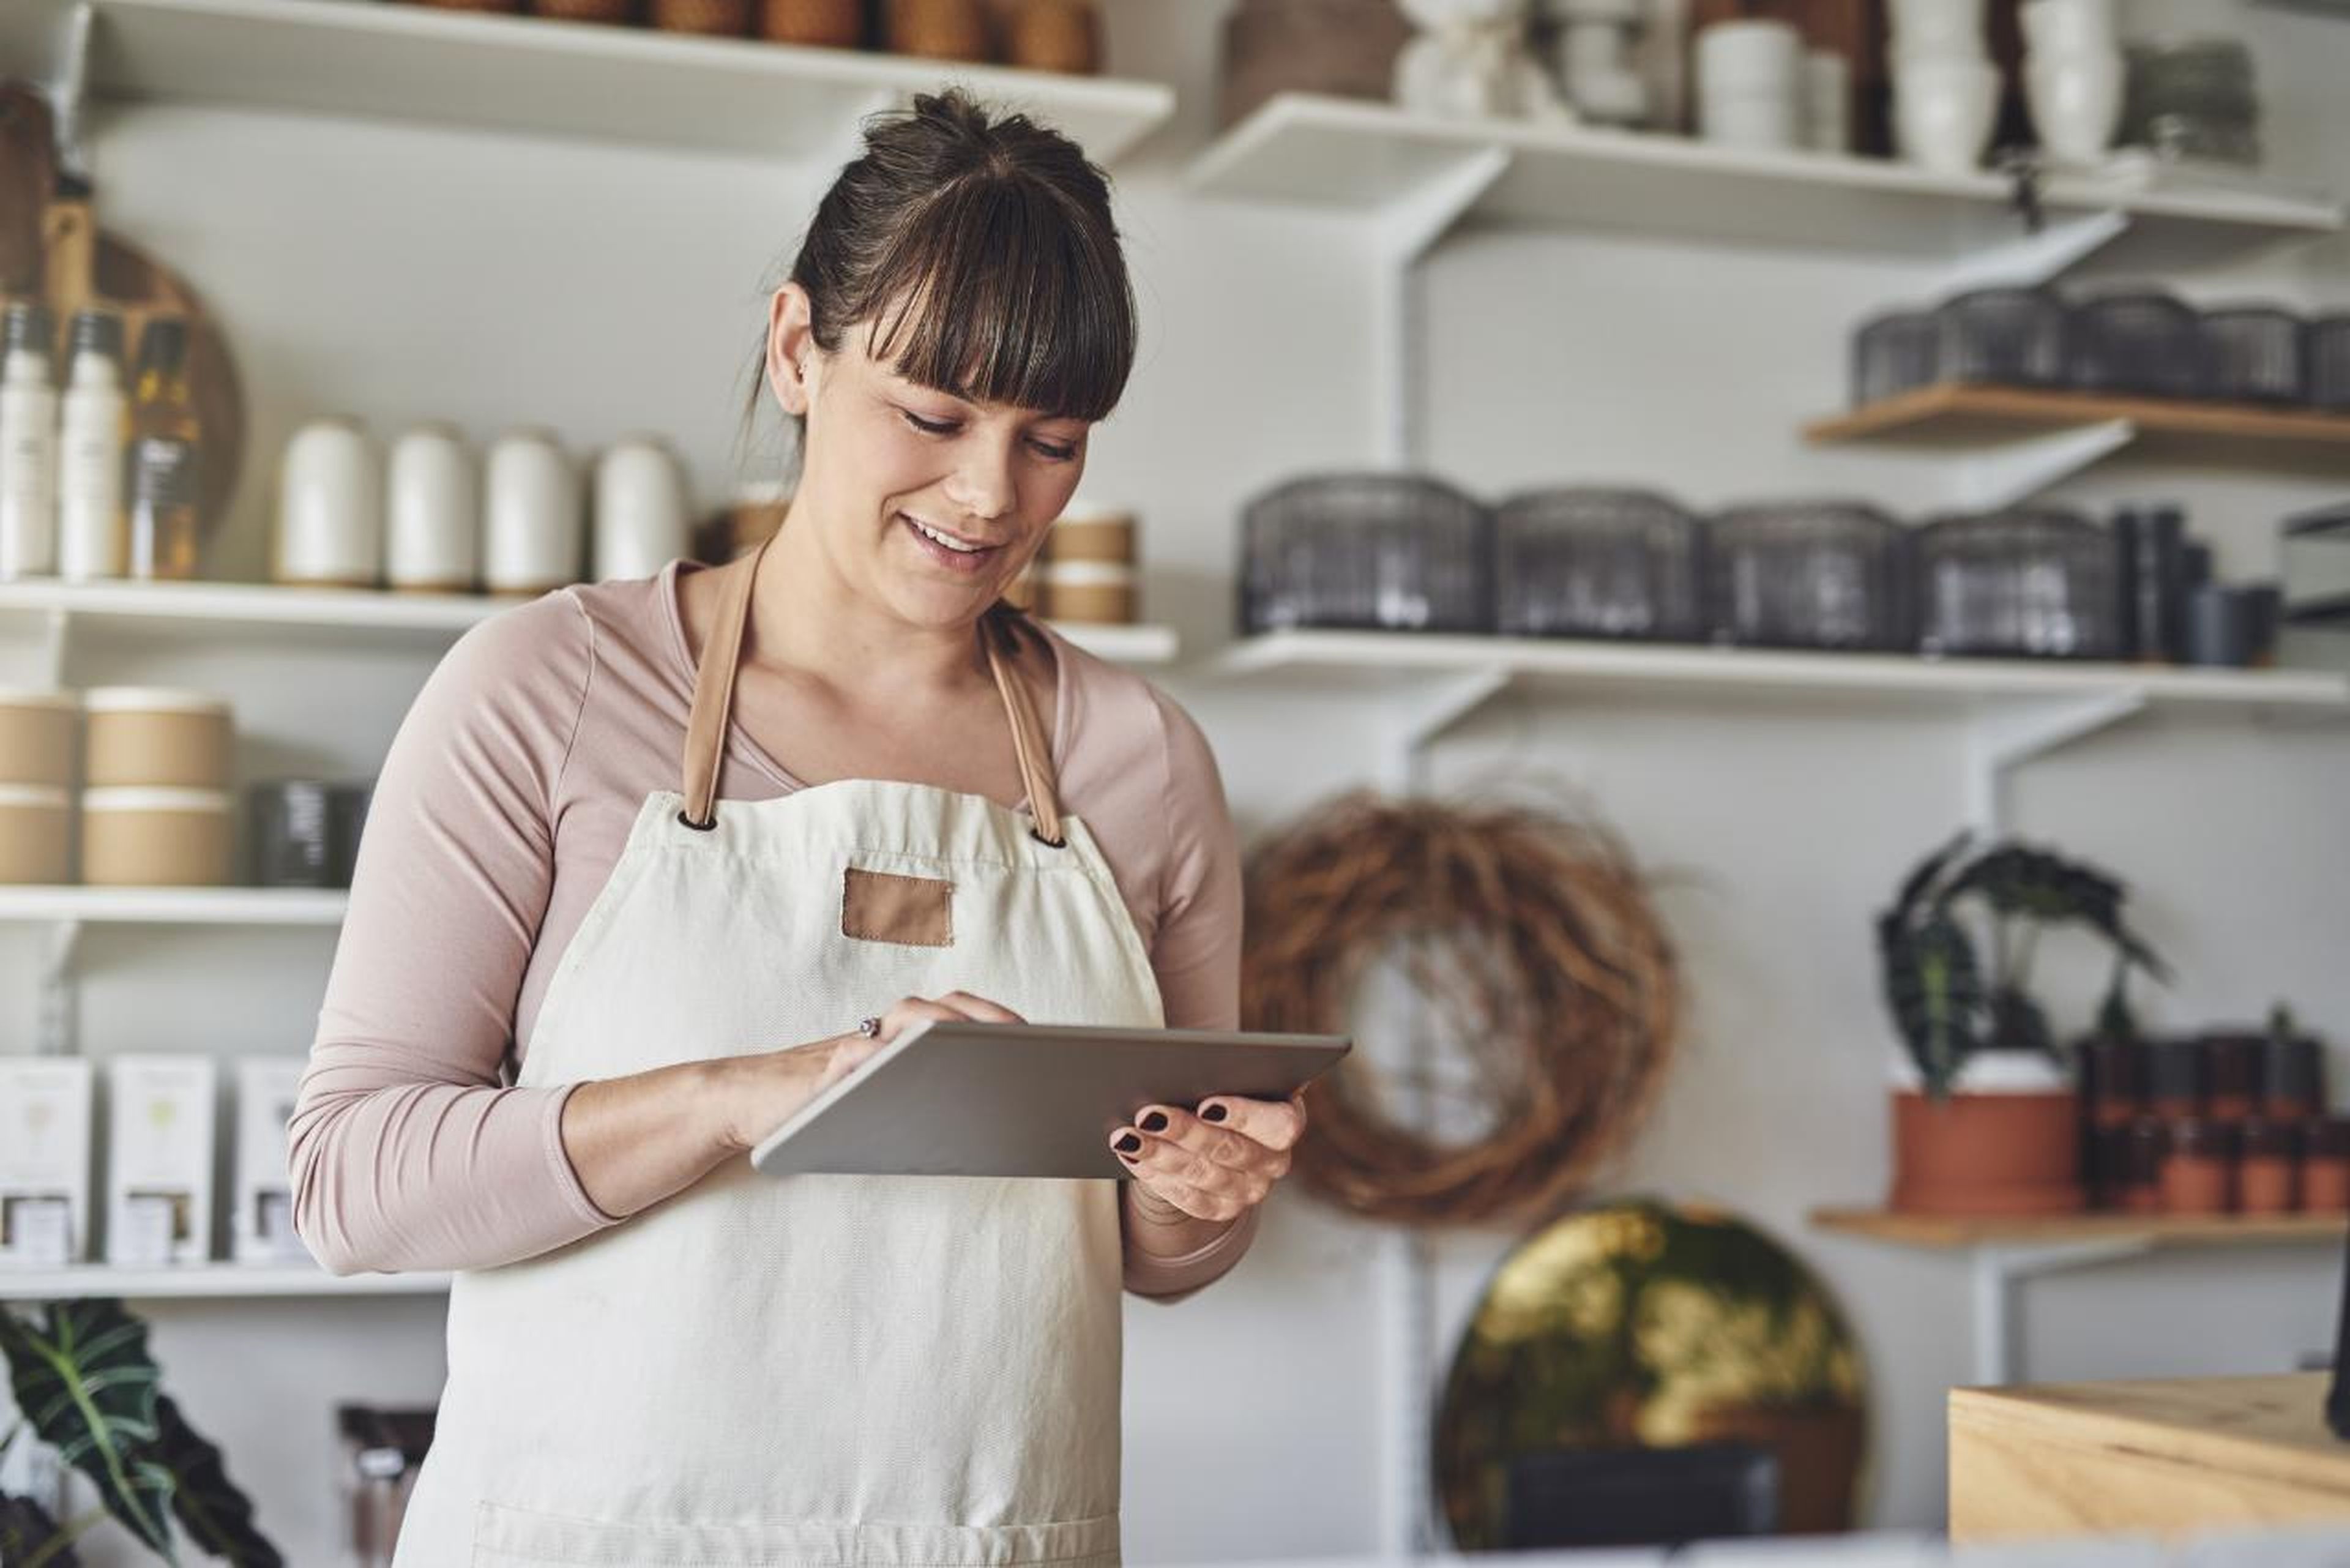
{"points": [[760, 1093]]}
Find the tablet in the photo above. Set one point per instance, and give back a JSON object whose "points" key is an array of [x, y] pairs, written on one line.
{"points": [[959, 1098]]}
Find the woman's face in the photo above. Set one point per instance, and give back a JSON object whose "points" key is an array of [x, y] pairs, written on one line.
{"points": [[927, 502]]}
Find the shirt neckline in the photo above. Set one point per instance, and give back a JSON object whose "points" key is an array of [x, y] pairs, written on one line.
{"points": [[738, 738]]}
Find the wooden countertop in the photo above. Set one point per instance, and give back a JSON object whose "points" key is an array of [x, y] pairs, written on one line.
{"points": [[2169, 1456]]}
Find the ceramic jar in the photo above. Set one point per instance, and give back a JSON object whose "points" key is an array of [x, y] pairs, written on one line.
{"points": [[155, 837], [330, 507], [139, 736], [532, 532], [1751, 84], [36, 737], [432, 527], [35, 836], [642, 521], [1944, 111], [2073, 77]]}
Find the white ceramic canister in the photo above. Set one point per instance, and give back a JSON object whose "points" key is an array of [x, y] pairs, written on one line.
{"points": [[1943, 113], [36, 834], [156, 838], [1827, 100], [143, 736], [330, 507], [642, 519], [533, 533], [36, 737], [433, 512], [1936, 29], [2076, 102], [2069, 26], [1751, 84]]}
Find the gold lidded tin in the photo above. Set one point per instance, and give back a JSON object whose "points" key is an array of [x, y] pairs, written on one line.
{"points": [[1093, 534], [35, 843], [158, 838], [147, 736], [1099, 593], [36, 737]]}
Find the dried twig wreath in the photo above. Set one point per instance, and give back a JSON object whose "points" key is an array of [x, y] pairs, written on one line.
{"points": [[1547, 976]]}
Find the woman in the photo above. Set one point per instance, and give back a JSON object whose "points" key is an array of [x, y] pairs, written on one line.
{"points": [[584, 853]]}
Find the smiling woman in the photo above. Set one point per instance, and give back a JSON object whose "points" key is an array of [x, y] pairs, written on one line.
{"points": [[651, 864]]}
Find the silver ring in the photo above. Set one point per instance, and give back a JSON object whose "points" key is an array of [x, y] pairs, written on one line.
{"points": [[869, 1027]]}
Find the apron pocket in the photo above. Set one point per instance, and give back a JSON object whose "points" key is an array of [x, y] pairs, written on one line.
{"points": [[506, 1537]]}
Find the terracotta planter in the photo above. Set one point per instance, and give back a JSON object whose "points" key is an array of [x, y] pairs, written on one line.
{"points": [[2009, 1153]]}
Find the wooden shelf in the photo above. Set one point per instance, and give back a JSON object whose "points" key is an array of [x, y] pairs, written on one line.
{"points": [[244, 609], [636, 84], [1373, 158], [1955, 415], [1377, 660], [1949, 1232], [175, 905], [206, 1282]]}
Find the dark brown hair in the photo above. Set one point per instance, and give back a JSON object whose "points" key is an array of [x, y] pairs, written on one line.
{"points": [[981, 255]]}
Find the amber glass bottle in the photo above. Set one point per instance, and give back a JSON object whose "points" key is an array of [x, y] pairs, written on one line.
{"points": [[165, 456]]}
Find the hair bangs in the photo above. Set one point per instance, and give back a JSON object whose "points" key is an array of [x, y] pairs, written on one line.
{"points": [[998, 294]]}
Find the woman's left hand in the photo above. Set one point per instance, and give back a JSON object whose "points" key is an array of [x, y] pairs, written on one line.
{"points": [[1217, 1164]]}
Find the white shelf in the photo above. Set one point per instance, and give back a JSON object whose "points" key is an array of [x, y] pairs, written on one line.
{"points": [[1374, 158], [243, 609], [202, 1282], [1371, 661], [636, 84], [175, 905]]}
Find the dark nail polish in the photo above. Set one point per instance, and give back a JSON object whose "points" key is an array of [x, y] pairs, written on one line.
{"points": [[1155, 1122], [1214, 1113], [1129, 1144]]}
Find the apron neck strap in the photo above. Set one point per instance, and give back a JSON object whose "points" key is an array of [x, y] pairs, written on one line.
{"points": [[713, 701]]}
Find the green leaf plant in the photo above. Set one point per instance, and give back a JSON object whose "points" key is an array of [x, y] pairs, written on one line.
{"points": [[87, 1386], [1947, 1002]]}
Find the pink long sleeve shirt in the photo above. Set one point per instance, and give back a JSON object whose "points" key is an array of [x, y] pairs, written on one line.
{"points": [[502, 808]]}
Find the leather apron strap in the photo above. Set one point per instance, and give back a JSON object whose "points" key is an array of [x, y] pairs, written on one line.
{"points": [[713, 700]]}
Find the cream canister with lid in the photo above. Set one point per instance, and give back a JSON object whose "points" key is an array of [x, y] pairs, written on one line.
{"points": [[1091, 532], [330, 507], [156, 838], [35, 836], [433, 521], [137, 736], [36, 737], [642, 519], [1096, 592], [534, 533]]}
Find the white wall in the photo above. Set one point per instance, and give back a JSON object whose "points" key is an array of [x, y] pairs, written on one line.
{"points": [[400, 273]]}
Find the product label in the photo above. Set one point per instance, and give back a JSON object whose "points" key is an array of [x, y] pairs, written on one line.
{"points": [[163, 473]]}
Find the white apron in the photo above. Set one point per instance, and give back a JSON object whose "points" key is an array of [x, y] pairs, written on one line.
{"points": [[815, 1370]]}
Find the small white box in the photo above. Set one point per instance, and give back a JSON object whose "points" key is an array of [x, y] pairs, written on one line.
{"points": [[45, 1126], [261, 1226], [159, 1161]]}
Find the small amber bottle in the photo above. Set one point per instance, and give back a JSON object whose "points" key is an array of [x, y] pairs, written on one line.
{"points": [[2148, 1149], [165, 456], [2176, 1081], [2232, 1074]]}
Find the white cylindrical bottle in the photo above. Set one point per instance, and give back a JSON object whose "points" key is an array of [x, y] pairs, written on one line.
{"points": [[28, 443], [93, 533]]}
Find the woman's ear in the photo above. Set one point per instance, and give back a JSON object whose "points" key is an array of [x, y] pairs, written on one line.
{"points": [[791, 348]]}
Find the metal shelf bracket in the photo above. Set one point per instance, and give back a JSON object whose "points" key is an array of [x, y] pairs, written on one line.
{"points": [[1999, 1270], [59, 999], [2031, 259], [1406, 229], [2014, 734], [2014, 472]]}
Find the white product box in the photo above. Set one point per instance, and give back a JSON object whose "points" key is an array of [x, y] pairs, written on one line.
{"points": [[261, 1225], [159, 1161], [45, 1126]]}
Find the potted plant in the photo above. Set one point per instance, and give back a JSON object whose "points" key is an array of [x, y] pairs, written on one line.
{"points": [[1988, 1122], [86, 1385]]}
